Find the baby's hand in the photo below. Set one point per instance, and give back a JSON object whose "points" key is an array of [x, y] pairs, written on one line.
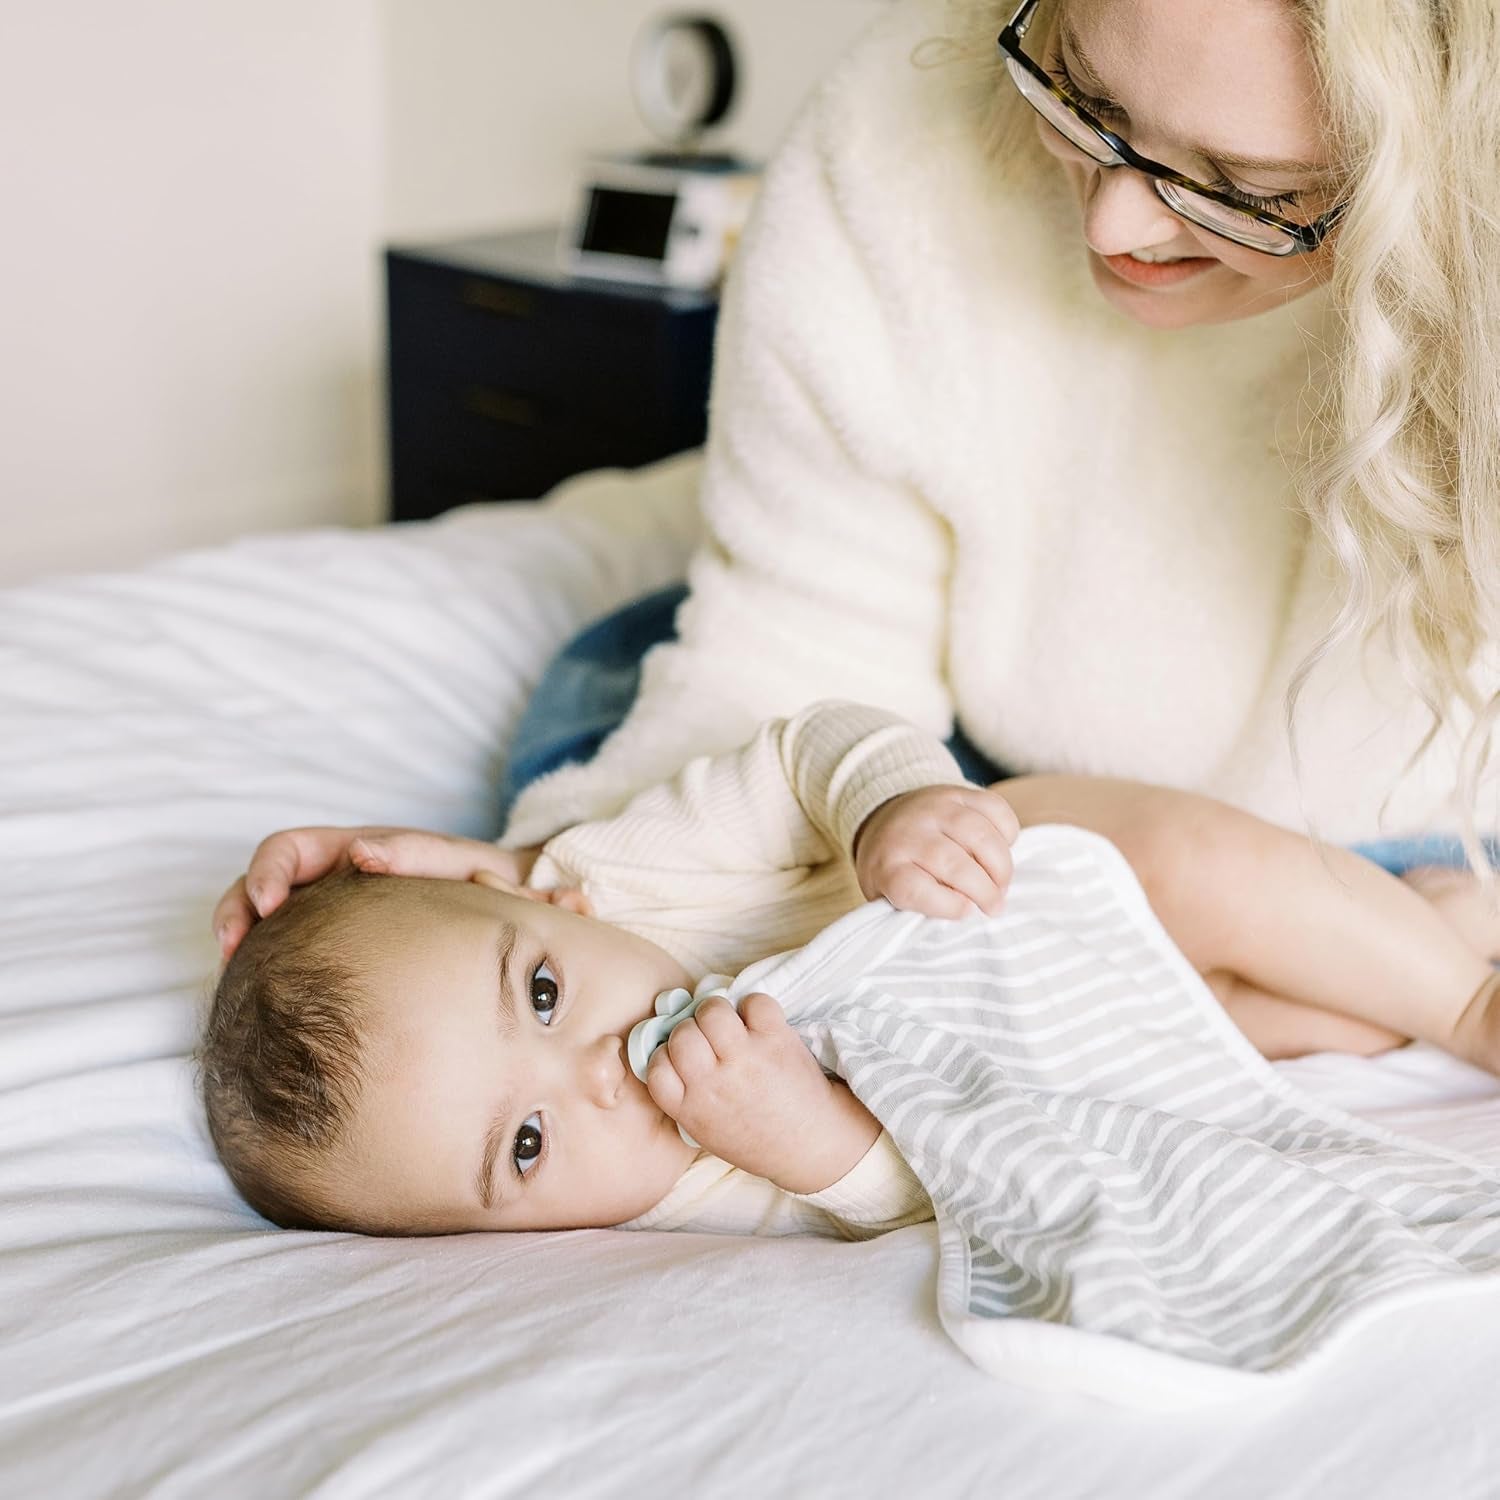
{"points": [[745, 1087], [942, 851]]}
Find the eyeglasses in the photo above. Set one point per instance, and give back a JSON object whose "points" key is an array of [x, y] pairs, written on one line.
{"points": [[1209, 208]]}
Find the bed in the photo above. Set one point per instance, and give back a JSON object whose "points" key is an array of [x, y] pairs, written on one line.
{"points": [[157, 1338]]}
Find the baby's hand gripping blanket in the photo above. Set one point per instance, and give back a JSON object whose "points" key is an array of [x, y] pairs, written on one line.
{"points": [[1130, 1200]]}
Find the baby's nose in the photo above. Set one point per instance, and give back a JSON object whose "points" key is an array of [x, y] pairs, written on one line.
{"points": [[602, 1071]]}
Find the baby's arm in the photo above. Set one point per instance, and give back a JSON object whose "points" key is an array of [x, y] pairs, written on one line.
{"points": [[748, 853], [1309, 949]]}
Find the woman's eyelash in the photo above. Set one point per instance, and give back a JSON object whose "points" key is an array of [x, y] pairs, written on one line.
{"points": [[1075, 95], [1275, 201], [1059, 75]]}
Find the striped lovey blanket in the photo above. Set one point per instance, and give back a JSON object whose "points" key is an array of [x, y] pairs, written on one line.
{"points": [[1130, 1201]]}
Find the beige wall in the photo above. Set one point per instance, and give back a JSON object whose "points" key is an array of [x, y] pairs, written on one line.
{"points": [[492, 105], [190, 297], [190, 194]]}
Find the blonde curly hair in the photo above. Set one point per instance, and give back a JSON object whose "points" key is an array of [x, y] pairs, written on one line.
{"points": [[1403, 477]]}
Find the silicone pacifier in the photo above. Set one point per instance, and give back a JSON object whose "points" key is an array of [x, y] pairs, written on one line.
{"points": [[672, 1008]]}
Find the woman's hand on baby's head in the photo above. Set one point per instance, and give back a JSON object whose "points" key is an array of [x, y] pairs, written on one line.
{"points": [[299, 856], [745, 1087], [943, 851]]}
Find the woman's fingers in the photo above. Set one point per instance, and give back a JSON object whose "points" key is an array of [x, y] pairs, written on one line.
{"points": [[292, 857], [299, 856], [443, 856], [429, 856], [569, 898], [233, 918]]}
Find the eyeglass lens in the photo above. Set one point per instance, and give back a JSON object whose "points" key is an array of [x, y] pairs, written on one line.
{"points": [[1242, 228]]}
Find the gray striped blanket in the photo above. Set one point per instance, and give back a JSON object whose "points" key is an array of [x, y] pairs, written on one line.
{"points": [[1130, 1201]]}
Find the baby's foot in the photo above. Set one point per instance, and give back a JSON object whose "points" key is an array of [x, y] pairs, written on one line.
{"points": [[1463, 903]]}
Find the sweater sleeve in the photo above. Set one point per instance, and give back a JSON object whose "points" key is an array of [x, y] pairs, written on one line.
{"points": [[879, 1194], [745, 853], [824, 568]]}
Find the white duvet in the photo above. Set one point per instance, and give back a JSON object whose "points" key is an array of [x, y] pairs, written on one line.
{"points": [[156, 1338]]}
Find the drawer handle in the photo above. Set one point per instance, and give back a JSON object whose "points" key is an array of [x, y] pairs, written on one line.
{"points": [[504, 407], [495, 297]]}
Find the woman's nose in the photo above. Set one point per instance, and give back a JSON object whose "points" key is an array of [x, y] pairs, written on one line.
{"points": [[601, 1071], [1122, 212]]}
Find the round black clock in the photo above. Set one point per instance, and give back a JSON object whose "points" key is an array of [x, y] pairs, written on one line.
{"points": [[684, 75]]}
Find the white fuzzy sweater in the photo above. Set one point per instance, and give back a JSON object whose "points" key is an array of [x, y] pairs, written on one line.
{"points": [[945, 477]]}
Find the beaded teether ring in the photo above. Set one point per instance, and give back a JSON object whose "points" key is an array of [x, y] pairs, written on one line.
{"points": [[673, 1007]]}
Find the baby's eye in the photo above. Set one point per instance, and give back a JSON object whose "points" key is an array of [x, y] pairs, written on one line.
{"points": [[544, 993], [527, 1151]]}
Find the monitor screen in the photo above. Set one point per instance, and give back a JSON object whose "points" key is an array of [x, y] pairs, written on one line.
{"points": [[625, 223]]}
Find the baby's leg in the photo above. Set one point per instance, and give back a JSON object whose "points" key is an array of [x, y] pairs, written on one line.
{"points": [[1278, 922], [1279, 1028], [1467, 906]]}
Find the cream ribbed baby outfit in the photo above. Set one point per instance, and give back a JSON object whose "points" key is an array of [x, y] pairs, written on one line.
{"points": [[740, 856]]}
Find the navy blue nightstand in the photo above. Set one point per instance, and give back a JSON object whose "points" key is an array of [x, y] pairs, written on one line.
{"points": [[507, 374]]}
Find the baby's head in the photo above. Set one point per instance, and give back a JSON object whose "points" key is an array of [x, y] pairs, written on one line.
{"points": [[399, 1056]]}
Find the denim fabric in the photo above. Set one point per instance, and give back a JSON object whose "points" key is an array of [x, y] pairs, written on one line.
{"points": [[587, 690], [1400, 855]]}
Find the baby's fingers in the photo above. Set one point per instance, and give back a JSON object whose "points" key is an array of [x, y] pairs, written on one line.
{"points": [[913, 888], [664, 1083], [998, 813], [951, 864], [762, 1015], [692, 1055], [721, 1027], [987, 847]]}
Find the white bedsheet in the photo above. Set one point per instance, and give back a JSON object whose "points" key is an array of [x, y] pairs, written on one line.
{"points": [[156, 1338]]}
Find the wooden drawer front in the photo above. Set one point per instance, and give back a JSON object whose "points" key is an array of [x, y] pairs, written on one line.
{"points": [[485, 332], [452, 446]]}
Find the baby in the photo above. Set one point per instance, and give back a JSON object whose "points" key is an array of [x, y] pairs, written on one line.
{"points": [[397, 1055]]}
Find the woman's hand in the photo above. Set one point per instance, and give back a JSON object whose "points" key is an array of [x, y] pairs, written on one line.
{"points": [[745, 1087], [298, 856], [943, 851]]}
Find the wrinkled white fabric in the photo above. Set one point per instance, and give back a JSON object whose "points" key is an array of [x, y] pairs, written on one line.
{"points": [[157, 1338]]}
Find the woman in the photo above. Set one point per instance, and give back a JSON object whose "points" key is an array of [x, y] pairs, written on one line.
{"points": [[1108, 394]]}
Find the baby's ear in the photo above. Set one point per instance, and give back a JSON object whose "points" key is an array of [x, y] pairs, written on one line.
{"points": [[569, 899]]}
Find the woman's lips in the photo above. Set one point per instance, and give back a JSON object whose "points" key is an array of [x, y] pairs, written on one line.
{"points": [[1164, 273]]}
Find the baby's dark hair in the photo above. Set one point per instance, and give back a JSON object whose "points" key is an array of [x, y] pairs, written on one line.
{"points": [[281, 1060]]}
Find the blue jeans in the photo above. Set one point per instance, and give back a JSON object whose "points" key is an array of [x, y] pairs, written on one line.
{"points": [[588, 689]]}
